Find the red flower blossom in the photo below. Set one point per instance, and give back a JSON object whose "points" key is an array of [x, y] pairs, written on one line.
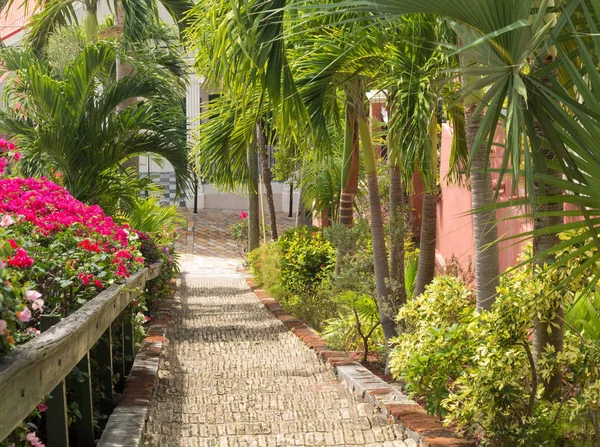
{"points": [[85, 278], [21, 259]]}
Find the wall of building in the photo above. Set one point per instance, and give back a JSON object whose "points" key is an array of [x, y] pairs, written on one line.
{"points": [[455, 220]]}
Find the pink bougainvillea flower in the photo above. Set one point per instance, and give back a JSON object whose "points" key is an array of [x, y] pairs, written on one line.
{"points": [[85, 278], [11, 146], [243, 215], [124, 254], [3, 142], [3, 164], [21, 259], [42, 408], [24, 315], [98, 284], [6, 221], [34, 440], [17, 156], [32, 295], [12, 243], [38, 304], [3, 326]]}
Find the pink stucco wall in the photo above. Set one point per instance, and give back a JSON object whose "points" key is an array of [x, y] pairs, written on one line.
{"points": [[455, 221]]}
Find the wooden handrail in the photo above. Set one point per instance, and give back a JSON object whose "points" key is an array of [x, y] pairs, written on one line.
{"points": [[34, 369]]}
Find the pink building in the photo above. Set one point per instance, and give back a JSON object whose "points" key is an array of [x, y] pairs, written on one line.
{"points": [[455, 221]]}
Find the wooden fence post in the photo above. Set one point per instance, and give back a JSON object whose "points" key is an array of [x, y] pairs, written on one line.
{"points": [[119, 353], [82, 394], [128, 341], [57, 425], [105, 371]]}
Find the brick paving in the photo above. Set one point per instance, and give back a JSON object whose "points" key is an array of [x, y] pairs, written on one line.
{"points": [[232, 374], [208, 233]]}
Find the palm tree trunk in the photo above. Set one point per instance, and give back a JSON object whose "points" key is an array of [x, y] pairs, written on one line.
{"points": [[123, 69], [253, 211], [350, 166], [301, 212], [91, 20], [266, 173], [397, 232], [426, 269], [484, 222], [548, 333], [387, 309], [397, 225]]}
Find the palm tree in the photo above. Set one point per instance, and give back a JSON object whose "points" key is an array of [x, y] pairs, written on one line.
{"points": [[545, 125], [133, 18], [68, 122], [414, 79], [237, 68]]}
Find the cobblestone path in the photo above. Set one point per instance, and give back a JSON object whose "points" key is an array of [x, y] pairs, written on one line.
{"points": [[231, 374]]}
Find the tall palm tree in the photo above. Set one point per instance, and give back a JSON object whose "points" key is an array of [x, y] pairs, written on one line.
{"points": [[545, 126], [133, 18], [68, 122]]}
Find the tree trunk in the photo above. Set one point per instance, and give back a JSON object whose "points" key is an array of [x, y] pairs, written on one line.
{"points": [[123, 69], [387, 308], [397, 224], [253, 211], [487, 266], [426, 269], [548, 333], [266, 173], [350, 165], [91, 20], [397, 233], [542, 338], [300, 213]]}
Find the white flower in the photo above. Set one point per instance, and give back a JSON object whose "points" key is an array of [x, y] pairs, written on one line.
{"points": [[7, 221], [32, 295]]}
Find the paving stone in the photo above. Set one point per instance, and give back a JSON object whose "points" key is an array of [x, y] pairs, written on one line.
{"points": [[231, 374]]}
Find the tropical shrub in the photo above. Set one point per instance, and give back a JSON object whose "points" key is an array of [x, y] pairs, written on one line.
{"points": [[264, 266], [477, 371], [239, 233], [357, 325], [307, 258], [296, 269], [161, 221]]}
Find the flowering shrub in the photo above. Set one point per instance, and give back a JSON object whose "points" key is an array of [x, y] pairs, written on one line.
{"points": [[56, 254], [8, 154]]}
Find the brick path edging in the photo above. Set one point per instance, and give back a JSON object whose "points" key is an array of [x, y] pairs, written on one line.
{"points": [[425, 429], [126, 424]]}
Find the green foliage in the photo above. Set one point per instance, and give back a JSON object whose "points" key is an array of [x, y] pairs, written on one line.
{"points": [[435, 347], [307, 258], [477, 371], [148, 216], [66, 43], [67, 124], [357, 325], [584, 316], [296, 269], [239, 233], [264, 265]]}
